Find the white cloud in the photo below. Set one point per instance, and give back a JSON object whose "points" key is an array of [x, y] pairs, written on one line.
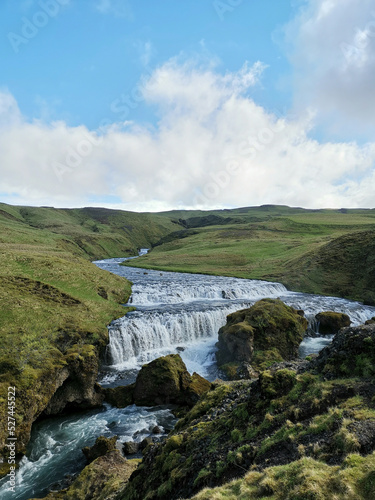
{"points": [[213, 147], [331, 44]]}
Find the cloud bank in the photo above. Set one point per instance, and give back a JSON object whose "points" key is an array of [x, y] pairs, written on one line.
{"points": [[331, 45], [213, 147]]}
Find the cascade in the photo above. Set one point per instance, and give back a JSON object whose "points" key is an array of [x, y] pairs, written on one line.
{"points": [[140, 336], [174, 292]]}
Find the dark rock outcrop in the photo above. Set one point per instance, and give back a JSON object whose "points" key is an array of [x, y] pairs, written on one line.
{"points": [[331, 322], [351, 353], [246, 372], [269, 327], [76, 386], [130, 448], [102, 446], [370, 321], [120, 396], [103, 479]]}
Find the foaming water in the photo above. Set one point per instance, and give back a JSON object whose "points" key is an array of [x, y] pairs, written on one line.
{"points": [[178, 312], [54, 452]]}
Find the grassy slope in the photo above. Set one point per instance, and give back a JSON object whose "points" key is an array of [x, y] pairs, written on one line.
{"points": [[319, 251], [286, 436], [55, 304], [90, 232]]}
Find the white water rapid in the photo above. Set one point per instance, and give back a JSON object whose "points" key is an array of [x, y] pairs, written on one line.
{"points": [[178, 312]]}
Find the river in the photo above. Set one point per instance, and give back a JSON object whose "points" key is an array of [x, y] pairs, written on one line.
{"points": [[175, 313]]}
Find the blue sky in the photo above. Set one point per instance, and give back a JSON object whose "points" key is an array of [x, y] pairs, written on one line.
{"points": [[146, 105], [88, 55]]}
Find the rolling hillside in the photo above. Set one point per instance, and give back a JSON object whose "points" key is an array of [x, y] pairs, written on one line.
{"points": [[319, 251]]}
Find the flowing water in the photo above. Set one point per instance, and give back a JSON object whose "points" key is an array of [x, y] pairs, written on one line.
{"points": [[175, 313]]}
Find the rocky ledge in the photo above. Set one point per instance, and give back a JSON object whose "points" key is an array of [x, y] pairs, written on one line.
{"points": [[106, 474], [302, 429], [292, 432]]}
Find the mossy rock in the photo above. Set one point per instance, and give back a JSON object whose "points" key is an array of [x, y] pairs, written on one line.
{"points": [[102, 446], [102, 479], [331, 322], [167, 381], [278, 383], [351, 353], [268, 326], [196, 388], [120, 396]]}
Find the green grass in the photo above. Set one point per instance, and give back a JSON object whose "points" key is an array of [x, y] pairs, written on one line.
{"points": [[90, 232], [324, 251], [305, 479], [52, 304]]}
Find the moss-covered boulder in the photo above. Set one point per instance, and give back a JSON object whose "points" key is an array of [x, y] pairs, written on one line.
{"points": [[331, 322], [102, 446], [351, 353], [120, 396], [269, 326], [103, 479], [163, 381]]}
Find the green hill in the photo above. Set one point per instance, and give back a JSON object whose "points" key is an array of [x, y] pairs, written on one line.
{"points": [[319, 251]]}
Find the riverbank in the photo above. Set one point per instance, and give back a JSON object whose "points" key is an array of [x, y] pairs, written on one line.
{"points": [[54, 312], [301, 430], [55, 306]]}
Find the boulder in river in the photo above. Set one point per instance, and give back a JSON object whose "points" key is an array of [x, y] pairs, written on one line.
{"points": [[330, 322], [102, 446], [268, 331], [103, 479], [163, 381], [120, 396], [167, 381], [130, 448]]}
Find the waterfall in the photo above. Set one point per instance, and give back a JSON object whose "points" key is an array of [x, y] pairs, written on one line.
{"points": [[141, 337], [174, 292], [179, 312]]}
